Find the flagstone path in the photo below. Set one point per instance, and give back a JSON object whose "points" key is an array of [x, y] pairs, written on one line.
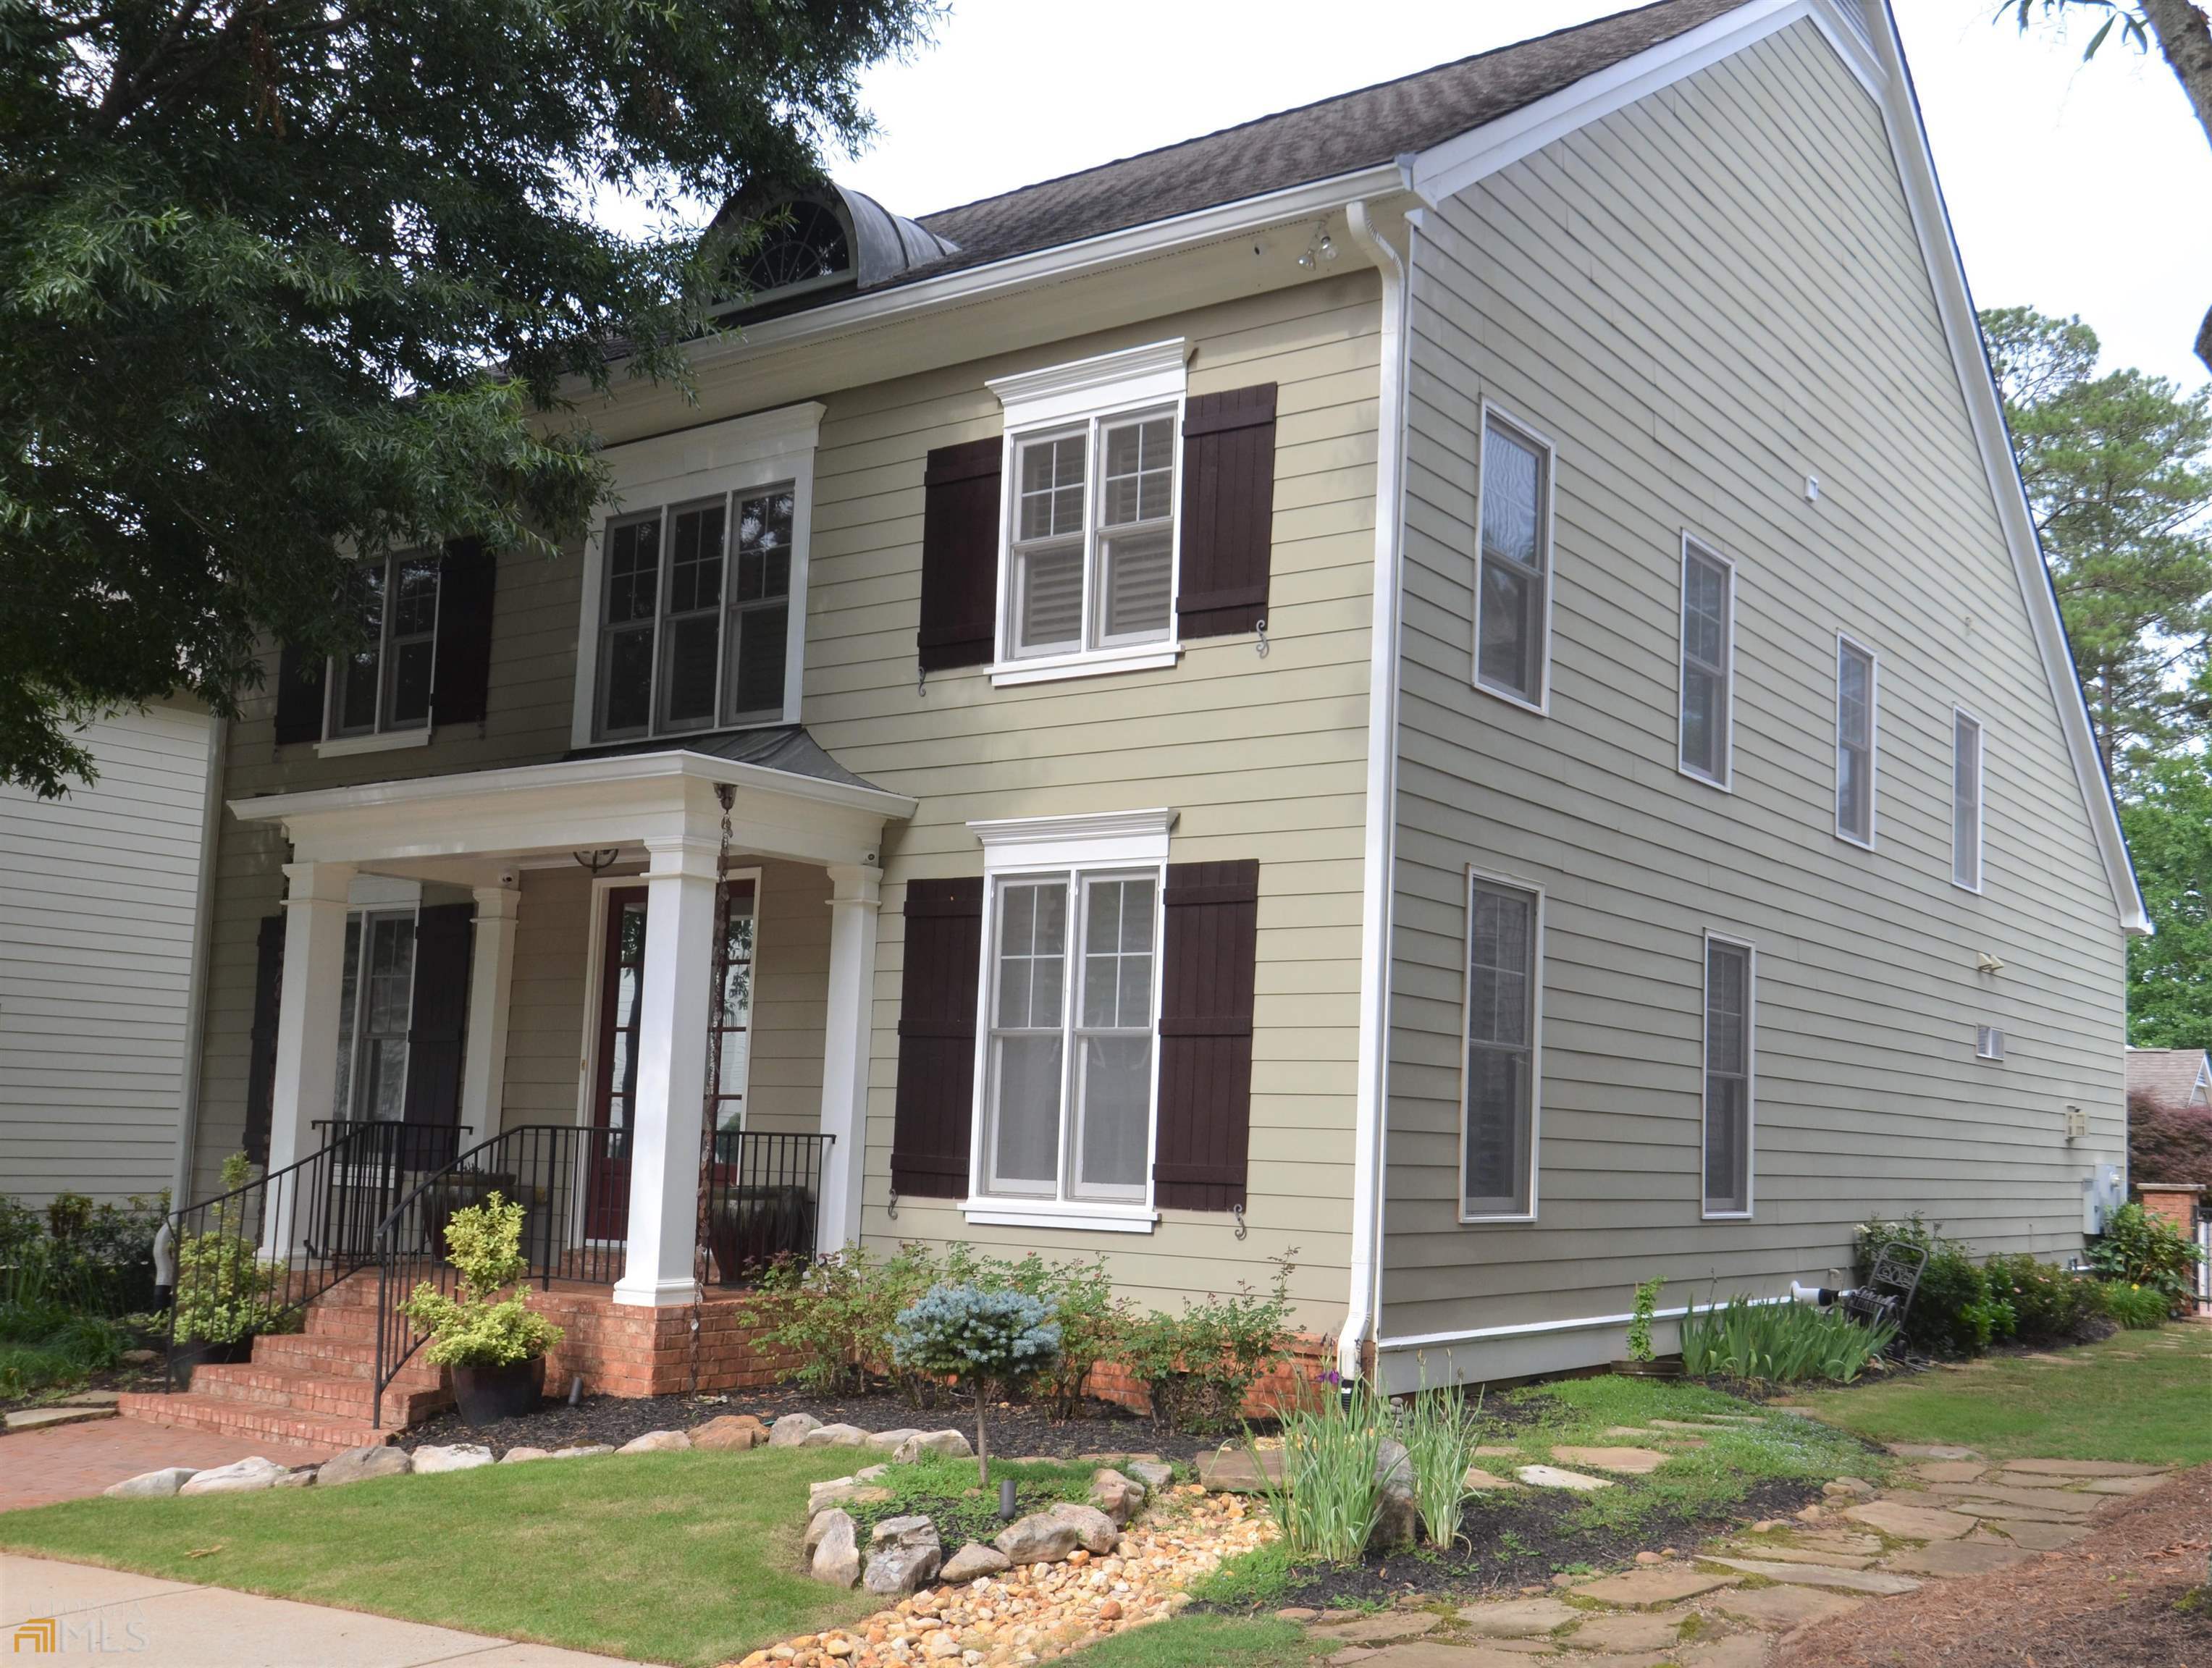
{"points": [[1739, 1602]]}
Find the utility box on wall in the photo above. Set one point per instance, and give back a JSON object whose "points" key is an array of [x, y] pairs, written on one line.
{"points": [[2104, 1191]]}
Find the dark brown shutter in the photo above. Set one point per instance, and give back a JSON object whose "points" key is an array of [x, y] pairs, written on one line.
{"points": [[937, 1038], [1228, 511], [1212, 913], [960, 555], [434, 1029], [460, 682], [261, 1054], [300, 695]]}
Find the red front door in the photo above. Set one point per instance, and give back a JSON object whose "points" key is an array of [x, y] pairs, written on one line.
{"points": [[614, 1098]]}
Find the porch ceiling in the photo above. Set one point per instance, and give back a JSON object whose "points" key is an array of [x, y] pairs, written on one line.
{"points": [[623, 801]]}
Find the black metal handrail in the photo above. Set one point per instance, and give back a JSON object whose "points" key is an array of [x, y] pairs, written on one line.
{"points": [[250, 1259], [763, 1194]]}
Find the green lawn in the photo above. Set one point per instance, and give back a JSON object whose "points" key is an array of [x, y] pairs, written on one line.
{"points": [[2127, 1399], [688, 1558]]}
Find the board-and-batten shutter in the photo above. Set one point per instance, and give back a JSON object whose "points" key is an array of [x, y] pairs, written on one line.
{"points": [[299, 678], [1228, 511], [1212, 944], [960, 555], [261, 1050], [435, 1026], [937, 1038], [460, 682]]}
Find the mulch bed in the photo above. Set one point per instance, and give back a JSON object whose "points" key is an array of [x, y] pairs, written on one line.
{"points": [[2118, 1600], [1015, 1431]]}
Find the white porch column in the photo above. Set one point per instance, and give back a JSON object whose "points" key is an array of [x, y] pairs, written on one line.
{"points": [[666, 1119], [307, 1078], [855, 894], [492, 987]]}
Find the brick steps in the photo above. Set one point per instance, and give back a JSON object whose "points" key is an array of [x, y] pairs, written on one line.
{"points": [[320, 1395], [193, 1411]]}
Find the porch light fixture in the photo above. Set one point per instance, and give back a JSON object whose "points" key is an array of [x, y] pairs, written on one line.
{"points": [[595, 861]]}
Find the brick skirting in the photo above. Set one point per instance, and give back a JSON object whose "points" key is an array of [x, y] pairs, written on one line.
{"points": [[621, 1351]]}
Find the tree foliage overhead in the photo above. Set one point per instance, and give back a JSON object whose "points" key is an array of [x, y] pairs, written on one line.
{"points": [[285, 279], [2168, 823], [2116, 474]]}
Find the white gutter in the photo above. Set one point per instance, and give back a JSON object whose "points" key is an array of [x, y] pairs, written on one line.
{"points": [[195, 983], [1371, 1094]]}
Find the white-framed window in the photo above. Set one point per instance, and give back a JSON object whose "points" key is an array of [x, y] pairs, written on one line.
{"points": [[1500, 1101], [376, 1005], [1730, 1058], [1708, 669], [1067, 1062], [694, 585], [1857, 733], [1513, 563], [1966, 799], [1091, 525], [383, 687]]}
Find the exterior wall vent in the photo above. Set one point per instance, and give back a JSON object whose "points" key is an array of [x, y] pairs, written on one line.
{"points": [[1989, 1042]]}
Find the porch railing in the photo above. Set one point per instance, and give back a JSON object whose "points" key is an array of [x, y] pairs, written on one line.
{"points": [[250, 1260], [763, 1194]]}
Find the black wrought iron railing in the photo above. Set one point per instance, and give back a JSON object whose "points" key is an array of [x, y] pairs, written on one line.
{"points": [[250, 1259], [763, 1191]]}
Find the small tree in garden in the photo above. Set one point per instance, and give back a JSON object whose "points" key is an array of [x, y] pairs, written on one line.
{"points": [[979, 1337]]}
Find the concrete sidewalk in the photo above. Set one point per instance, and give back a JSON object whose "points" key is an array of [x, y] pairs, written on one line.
{"points": [[107, 1614]]}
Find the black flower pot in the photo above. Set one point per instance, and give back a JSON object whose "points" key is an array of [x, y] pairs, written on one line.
{"points": [[488, 1394]]}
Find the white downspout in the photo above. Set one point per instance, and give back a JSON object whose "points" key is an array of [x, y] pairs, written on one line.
{"points": [[195, 980], [1372, 1094]]}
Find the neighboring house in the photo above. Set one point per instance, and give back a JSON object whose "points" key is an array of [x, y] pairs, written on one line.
{"points": [[100, 915], [1455, 684], [2172, 1076]]}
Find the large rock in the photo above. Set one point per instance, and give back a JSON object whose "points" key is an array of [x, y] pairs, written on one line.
{"points": [[934, 1441], [152, 1485], [359, 1464], [835, 1436], [583, 1450], [1119, 1497], [656, 1441], [820, 1525], [523, 1456], [1038, 1539], [836, 1557], [972, 1562], [733, 1432], [1397, 1519], [1095, 1532], [1911, 1523], [1154, 1473], [245, 1478], [904, 1553], [451, 1457], [887, 1441], [791, 1430], [1519, 1618], [300, 1477], [1551, 1477], [842, 1491]]}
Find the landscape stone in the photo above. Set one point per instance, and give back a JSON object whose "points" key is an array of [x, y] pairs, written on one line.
{"points": [[1636, 1462], [835, 1436], [1848, 1485], [656, 1441], [451, 1457], [1237, 1470], [1119, 1497], [791, 1431], [973, 1561], [950, 1443], [1627, 1633], [583, 1450], [1434, 1653], [819, 1525], [524, 1455], [2049, 1500], [43, 1418], [1383, 1629], [1551, 1477], [2123, 1485], [151, 1485], [1038, 1539], [905, 1555], [836, 1557], [1154, 1473], [1095, 1532], [1737, 1651], [870, 1473], [1911, 1523], [245, 1478], [732, 1433], [888, 1440], [1519, 1618], [91, 1399], [1784, 1607], [1807, 1555], [1397, 1519], [2046, 1537], [1931, 1451], [1957, 1558], [1483, 1482], [1639, 1588], [300, 1477], [1950, 1471], [2081, 1468], [140, 1357], [1822, 1575], [359, 1464]]}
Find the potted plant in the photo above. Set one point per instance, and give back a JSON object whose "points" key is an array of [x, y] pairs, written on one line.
{"points": [[495, 1345], [223, 1286], [1641, 1363]]}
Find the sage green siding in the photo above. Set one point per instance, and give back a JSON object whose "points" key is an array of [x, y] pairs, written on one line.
{"points": [[1703, 300]]}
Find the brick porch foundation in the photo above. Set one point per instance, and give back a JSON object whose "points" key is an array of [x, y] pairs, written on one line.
{"points": [[621, 1350]]}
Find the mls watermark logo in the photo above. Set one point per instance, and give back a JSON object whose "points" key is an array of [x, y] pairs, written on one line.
{"points": [[37, 1634], [47, 1635]]}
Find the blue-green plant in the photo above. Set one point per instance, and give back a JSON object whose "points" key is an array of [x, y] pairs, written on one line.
{"points": [[1779, 1343], [979, 1339]]}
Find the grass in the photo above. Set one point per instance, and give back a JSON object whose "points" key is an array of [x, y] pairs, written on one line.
{"points": [[689, 1558], [2128, 1400], [1204, 1641], [944, 1489]]}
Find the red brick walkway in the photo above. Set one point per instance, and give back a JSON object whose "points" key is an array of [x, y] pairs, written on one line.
{"points": [[38, 1467]]}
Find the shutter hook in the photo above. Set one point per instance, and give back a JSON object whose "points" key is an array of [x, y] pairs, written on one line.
{"points": [[1237, 1211], [1259, 648], [921, 680], [893, 1205]]}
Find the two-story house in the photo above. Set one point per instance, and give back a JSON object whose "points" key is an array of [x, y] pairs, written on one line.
{"points": [[1455, 683]]}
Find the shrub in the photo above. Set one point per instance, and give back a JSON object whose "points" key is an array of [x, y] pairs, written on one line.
{"points": [[2049, 1304], [834, 1314], [2137, 1307], [979, 1339], [1329, 1497], [2168, 1144], [1953, 1313], [1093, 1322], [1199, 1365], [1441, 1435], [223, 1286], [2144, 1250], [1779, 1343], [483, 1242], [1639, 1322]]}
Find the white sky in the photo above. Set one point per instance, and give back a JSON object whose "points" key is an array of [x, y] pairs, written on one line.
{"points": [[2075, 188]]}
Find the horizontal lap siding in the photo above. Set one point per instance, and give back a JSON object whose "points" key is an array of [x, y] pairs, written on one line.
{"points": [[97, 896], [1263, 759], [1703, 300]]}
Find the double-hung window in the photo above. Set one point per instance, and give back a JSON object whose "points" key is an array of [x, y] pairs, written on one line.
{"points": [[384, 685], [1965, 800], [1708, 663], [1729, 1020], [696, 616], [1513, 583], [1856, 724], [1504, 960]]}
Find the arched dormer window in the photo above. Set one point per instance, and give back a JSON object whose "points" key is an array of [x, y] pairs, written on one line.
{"points": [[802, 242], [824, 238]]}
